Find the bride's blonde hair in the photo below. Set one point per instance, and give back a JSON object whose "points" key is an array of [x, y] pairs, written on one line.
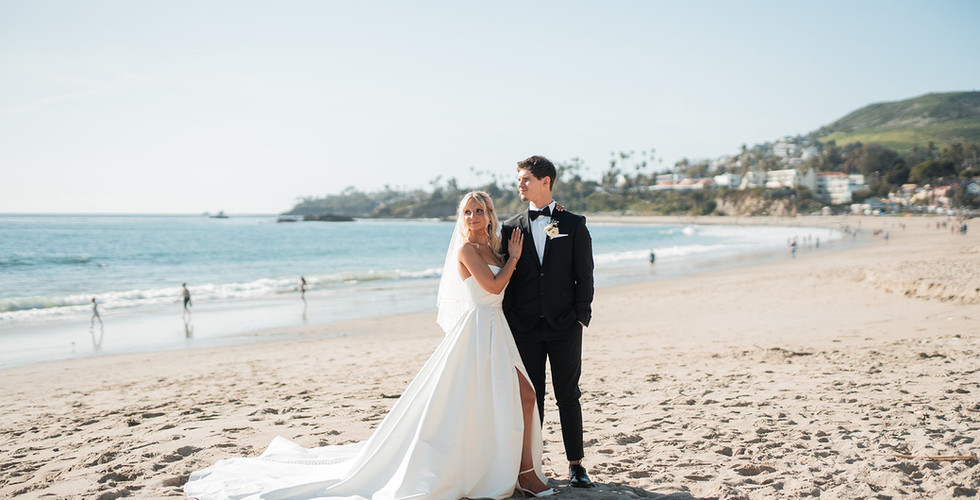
{"points": [[493, 225]]}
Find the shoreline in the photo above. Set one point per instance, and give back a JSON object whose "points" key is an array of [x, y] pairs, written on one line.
{"points": [[155, 327], [796, 221], [756, 260], [802, 377]]}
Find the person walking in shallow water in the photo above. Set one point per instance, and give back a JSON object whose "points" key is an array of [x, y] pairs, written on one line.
{"points": [[95, 314], [302, 288], [186, 295]]}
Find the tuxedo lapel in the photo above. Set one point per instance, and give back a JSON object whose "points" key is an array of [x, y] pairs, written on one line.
{"points": [[529, 250], [547, 246], [547, 241]]}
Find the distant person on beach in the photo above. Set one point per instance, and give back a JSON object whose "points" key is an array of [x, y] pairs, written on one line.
{"points": [[653, 257], [302, 288], [186, 295], [95, 314], [466, 427]]}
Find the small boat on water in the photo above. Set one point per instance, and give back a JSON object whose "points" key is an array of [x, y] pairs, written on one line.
{"points": [[219, 215]]}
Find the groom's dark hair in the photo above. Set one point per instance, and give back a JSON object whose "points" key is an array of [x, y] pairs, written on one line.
{"points": [[540, 168]]}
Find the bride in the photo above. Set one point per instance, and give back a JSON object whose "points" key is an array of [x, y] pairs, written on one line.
{"points": [[466, 426]]}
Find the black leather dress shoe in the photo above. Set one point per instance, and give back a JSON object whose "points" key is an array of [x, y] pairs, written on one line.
{"points": [[578, 478]]}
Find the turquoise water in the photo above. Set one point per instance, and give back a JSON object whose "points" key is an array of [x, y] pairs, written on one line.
{"points": [[243, 274]]}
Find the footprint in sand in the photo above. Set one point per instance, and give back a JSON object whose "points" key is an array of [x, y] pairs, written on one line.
{"points": [[175, 480], [116, 477], [180, 454], [114, 493], [754, 470], [103, 459]]}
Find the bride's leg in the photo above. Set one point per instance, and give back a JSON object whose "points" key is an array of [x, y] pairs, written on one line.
{"points": [[528, 402]]}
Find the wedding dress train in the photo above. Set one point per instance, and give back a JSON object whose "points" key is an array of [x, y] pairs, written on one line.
{"points": [[456, 431]]}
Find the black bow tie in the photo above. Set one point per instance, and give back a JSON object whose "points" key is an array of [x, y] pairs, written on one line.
{"points": [[533, 214]]}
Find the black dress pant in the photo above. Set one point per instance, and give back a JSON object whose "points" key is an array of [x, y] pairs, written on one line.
{"points": [[563, 348]]}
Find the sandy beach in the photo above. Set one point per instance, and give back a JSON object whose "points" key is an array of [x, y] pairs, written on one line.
{"points": [[838, 374]]}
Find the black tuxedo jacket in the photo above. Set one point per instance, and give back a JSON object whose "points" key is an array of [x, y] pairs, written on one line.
{"points": [[560, 289]]}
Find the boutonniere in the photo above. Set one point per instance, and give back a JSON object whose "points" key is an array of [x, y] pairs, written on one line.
{"points": [[552, 228]]}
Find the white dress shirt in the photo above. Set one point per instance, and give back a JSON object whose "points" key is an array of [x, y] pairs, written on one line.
{"points": [[537, 229]]}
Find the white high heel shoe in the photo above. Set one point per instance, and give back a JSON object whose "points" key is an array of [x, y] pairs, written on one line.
{"points": [[543, 493]]}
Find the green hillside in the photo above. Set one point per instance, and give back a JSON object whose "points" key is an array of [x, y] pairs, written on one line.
{"points": [[940, 118]]}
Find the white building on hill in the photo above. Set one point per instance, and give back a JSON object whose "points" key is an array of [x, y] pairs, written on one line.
{"points": [[788, 178], [753, 179], [728, 180], [836, 187]]}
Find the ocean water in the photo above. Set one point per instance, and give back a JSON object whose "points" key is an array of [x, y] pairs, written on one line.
{"points": [[243, 274]]}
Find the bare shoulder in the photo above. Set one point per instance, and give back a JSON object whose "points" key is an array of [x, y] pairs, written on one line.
{"points": [[466, 250]]}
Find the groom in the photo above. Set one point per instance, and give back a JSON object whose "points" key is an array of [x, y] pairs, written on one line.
{"points": [[549, 300]]}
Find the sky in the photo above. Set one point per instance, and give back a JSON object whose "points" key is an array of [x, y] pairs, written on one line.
{"points": [[115, 106]]}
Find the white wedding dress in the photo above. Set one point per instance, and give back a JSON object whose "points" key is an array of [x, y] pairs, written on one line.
{"points": [[456, 431]]}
